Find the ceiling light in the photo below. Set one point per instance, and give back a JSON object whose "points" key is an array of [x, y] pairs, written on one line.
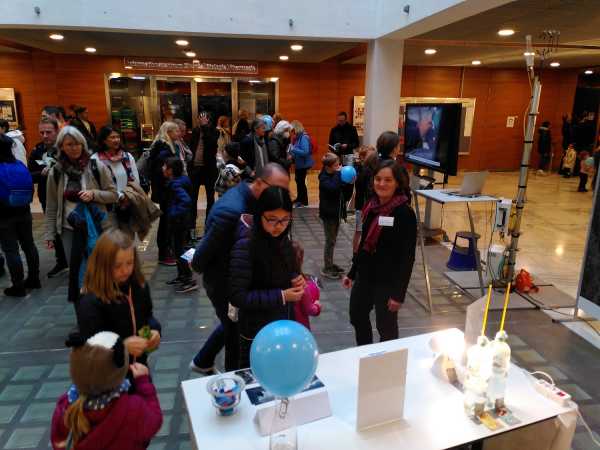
{"points": [[190, 54], [90, 49], [296, 47], [430, 51], [56, 37], [138, 78], [589, 72], [529, 54], [115, 75], [506, 32], [274, 80], [555, 64], [182, 42], [284, 57], [254, 81], [198, 80], [128, 67], [195, 61], [476, 62]]}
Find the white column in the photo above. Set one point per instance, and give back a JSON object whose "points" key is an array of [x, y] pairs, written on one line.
{"points": [[382, 87]]}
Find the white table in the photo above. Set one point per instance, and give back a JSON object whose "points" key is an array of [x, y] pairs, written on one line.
{"points": [[434, 414], [442, 196]]}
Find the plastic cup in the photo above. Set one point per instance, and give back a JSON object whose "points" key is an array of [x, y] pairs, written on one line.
{"points": [[226, 392]]}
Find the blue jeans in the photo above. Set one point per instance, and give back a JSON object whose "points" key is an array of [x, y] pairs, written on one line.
{"points": [[17, 231]]}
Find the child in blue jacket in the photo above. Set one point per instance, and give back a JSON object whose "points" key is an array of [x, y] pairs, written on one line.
{"points": [[179, 205]]}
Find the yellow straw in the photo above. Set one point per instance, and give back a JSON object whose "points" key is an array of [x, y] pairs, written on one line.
{"points": [[487, 307], [506, 299]]}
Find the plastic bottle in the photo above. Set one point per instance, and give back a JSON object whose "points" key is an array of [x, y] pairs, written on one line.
{"points": [[479, 368], [500, 366]]}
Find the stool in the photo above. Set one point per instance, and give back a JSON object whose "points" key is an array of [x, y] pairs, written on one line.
{"points": [[464, 258]]}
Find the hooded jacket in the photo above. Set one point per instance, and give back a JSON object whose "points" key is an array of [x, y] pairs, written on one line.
{"points": [[179, 199], [128, 423]]}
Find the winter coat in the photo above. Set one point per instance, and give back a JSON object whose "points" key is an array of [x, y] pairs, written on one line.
{"points": [[142, 210], [210, 139], [212, 253], [93, 315], [240, 130], [278, 151], [160, 151], [89, 135], [307, 306], [363, 186], [302, 152], [105, 193], [257, 294], [41, 153], [179, 199], [248, 150], [389, 267], [128, 423], [332, 204], [544, 140], [345, 134]]}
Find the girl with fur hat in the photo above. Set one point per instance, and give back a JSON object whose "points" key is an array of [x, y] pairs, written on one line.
{"points": [[97, 412], [117, 298]]}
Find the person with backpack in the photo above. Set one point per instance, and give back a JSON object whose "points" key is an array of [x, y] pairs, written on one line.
{"points": [[77, 193], [16, 193], [302, 150]]}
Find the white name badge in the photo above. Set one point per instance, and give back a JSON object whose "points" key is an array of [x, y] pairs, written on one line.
{"points": [[385, 221]]}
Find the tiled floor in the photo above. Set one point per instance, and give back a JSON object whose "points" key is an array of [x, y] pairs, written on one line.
{"points": [[33, 361]]}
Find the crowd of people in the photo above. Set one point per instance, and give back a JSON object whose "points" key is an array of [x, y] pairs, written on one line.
{"points": [[98, 201]]}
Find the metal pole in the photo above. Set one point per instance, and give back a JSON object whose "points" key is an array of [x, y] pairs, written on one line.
{"points": [[523, 176]]}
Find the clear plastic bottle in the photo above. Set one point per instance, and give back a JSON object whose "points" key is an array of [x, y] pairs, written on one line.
{"points": [[479, 367], [500, 367]]}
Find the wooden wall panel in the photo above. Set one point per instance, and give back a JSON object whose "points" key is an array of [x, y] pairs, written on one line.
{"points": [[314, 93]]}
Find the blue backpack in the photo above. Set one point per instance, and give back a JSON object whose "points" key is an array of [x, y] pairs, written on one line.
{"points": [[16, 186]]}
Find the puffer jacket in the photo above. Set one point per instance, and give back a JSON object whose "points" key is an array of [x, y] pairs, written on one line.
{"points": [[332, 204], [105, 193], [258, 295], [179, 200]]}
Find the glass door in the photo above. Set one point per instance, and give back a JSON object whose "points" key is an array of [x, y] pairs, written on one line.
{"points": [[214, 96], [256, 97], [175, 100]]}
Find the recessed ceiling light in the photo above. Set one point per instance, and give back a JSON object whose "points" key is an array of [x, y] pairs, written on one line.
{"points": [[529, 54], [138, 78], [190, 54], [476, 62], [90, 49], [430, 51], [128, 67], [198, 80], [589, 72], [115, 75], [284, 57], [296, 47], [274, 80], [56, 37], [506, 32], [555, 64], [254, 81], [182, 42]]}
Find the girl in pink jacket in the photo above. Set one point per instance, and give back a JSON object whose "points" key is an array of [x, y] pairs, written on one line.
{"points": [[309, 305]]}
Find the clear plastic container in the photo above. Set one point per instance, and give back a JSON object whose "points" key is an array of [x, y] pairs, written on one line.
{"points": [[479, 368], [500, 367], [226, 392]]}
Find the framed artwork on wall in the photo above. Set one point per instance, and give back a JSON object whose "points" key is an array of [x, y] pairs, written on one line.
{"points": [[8, 107]]}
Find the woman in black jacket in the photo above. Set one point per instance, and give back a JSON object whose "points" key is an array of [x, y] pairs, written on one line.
{"points": [[264, 279], [117, 298], [383, 265]]}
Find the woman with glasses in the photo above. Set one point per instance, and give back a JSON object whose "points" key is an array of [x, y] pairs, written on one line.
{"points": [[263, 282]]}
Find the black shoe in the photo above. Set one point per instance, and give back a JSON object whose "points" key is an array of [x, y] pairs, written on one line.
{"points": [[56, 270], [33, 283], [187, 286], [175, 281], [15, 291]]}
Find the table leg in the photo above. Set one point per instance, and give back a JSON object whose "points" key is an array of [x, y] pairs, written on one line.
{"points": [[477, 258], [425, 266]]}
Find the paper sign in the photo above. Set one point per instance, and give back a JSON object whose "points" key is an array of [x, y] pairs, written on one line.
{"points": [[510, 122], [381, 399], [385, 221]]}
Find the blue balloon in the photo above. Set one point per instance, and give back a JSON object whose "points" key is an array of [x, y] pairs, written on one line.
{"points": [[284, 357], [348, 174]]}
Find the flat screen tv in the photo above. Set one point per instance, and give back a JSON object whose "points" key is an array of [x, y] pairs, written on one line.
{"points": [[432, 134]]}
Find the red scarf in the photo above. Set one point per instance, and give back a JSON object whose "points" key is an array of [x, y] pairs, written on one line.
{"points": [[373, 206]]}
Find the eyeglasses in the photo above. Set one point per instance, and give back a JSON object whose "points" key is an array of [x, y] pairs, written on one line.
{"points": [[274, 221]]}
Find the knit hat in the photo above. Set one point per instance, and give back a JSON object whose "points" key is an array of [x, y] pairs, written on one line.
{"points": [[282, 126], [99, 364], [268, 120]]}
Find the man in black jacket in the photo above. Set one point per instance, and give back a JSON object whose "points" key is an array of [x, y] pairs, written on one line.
{"points": [[41, 160], [343, 137], [212, 259], [202, 168]]}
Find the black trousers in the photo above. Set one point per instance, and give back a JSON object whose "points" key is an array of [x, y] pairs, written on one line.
{"points": [[162, 235], [245, 345], [202, 176], [15, 232], [583, 179], [302, 196], [363, 298], [331, 228], [178, 232]]}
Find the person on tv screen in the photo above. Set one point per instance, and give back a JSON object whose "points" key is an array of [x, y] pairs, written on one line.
{"points": [[422, 127]]}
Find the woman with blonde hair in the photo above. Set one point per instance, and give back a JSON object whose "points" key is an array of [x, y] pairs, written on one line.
{"points": [[77, 187], [163, 148], [117, 298], [224, 135]]}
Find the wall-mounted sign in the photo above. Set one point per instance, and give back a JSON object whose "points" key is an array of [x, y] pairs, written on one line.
{"points": [[8, 107], [190, 65]]}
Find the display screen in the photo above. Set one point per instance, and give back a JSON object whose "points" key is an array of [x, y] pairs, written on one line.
{"points": [[431, 136]]}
